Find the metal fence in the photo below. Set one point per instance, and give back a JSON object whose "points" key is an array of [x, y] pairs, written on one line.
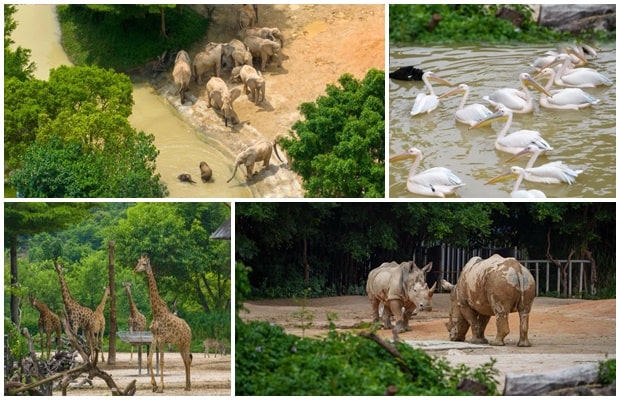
{"points": [[448, 263]]}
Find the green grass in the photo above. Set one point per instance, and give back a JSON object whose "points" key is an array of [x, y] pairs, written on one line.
{"points": [[109, 41]]}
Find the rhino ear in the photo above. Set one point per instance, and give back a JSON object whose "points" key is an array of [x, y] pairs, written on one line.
{"points": [[427, 267]]}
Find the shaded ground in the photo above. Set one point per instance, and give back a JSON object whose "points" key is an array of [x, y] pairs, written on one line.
{"points": [[563, 332], [321, 42], [209, 376]]}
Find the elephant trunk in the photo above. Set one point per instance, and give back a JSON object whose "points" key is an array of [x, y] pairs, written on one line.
{"points": [[275, 148], [234, 172]]}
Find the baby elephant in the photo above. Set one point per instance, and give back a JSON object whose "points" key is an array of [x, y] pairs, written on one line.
{"points": [[205, 172], [253, 83], [186, 178], [219, 95], [259, 151]]}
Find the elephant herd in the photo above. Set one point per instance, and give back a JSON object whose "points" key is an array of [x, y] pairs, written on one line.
{"points": [[254, 44]]}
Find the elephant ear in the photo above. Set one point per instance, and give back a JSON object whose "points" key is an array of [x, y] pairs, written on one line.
{"points": [[234, 93]]}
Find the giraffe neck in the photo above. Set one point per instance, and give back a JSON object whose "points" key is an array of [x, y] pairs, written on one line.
{"points": [[101, 305], [70, 303], [133, 309], [157, 304], [43, 309]]}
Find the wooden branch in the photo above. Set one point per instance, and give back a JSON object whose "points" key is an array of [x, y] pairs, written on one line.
{"points": [[391, 350], [51, 378]]}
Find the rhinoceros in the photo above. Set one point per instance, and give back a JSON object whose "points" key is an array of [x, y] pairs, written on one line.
{"points": [[401, 288], [495, 286]]}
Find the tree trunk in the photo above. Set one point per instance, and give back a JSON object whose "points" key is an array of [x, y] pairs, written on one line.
{"points": [[113, 323], [305, 262], [14, 281], [162, 13], [593, 272]]}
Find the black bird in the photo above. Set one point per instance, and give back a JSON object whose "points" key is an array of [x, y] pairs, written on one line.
{"points": [[410, 73]]}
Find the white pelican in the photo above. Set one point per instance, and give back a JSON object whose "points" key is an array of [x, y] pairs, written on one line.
{"points": [[514, 142], [578, 77], [516, 192], [470, 114], [552, 172], [438, 181], [565, 99], [426, 103], [575, 53], [519, 101]]}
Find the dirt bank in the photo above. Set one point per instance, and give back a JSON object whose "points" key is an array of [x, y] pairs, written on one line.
{"points": [[321, 42], [564, 332]]}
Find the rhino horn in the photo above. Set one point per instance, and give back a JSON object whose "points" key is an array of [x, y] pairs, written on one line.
{"points": [[446, 285], [432, 289]]}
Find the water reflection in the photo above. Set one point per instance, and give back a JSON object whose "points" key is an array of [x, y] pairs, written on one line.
{"points": [[584, 139]]}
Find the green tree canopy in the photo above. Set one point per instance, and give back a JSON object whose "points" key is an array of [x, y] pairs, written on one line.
{"points": [[71, 137], [339, 146]]}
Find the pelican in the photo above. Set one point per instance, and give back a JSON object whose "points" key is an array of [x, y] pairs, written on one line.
{"points": [[575, 53], [473, 113], [516, 192], [426, 103], [578, 77], [519, 101], [514, 142], [552, 172], [438, 181], [565, 99]]}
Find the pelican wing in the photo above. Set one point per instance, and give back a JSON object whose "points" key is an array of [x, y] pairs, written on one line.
{"points": [[472, 114], [517, 141], [553, 172], [512, 98], [424, 104]]}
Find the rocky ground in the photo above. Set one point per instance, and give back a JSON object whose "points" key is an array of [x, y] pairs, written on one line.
{"points": [[321, 42]]}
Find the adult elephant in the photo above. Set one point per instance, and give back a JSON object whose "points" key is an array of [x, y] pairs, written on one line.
{"points": [[182, 73], [263, 49], [259, 151]]}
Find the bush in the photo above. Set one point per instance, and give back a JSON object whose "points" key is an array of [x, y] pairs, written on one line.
{"points": [[270, 362]]}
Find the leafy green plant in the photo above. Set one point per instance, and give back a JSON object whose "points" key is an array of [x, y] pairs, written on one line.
{"points": [[304, 317], [607, 371]]}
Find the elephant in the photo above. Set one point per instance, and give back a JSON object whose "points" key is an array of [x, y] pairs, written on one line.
{"points": [[182, 72], [276, 142], [253, 83], [266, 33], [218, 92], [263, 48], [248, 16], [205, 172], [186, 178], [259, 151], [236, 53], [210, 59], [234, 75]]}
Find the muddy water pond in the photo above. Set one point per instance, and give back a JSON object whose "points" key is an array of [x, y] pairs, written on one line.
{"points": [[181, 146], [584, 139]]}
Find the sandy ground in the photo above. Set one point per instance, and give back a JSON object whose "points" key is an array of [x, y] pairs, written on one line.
{"points": [[210, 377], [321, 42], [563, 332]]}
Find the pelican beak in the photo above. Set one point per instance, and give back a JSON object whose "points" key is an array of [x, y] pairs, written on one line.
{"points": [[451, 92], [489, 120], [439, 79], [519, 154], [501, 177], [532, 83], [399, 157]]}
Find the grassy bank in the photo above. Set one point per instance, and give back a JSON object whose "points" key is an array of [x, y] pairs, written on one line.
{"points": [[125, 40]]}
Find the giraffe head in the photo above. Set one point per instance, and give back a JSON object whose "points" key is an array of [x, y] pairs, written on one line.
{"points": [[33, 300], [143, 264]]}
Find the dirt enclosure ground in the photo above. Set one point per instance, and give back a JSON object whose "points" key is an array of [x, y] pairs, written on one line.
{"points": [[210, 377], [563, 332]]}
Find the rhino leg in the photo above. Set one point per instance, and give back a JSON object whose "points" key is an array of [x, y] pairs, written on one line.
{"points": [[524, 320], [476, 322], [387, 317], [478, 329], [374, 304], [396, 309], [501, 319]]}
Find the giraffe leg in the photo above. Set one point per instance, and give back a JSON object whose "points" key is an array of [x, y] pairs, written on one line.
{"points": [[49, 344], [161, 368], [187, 360], [149, 365]]}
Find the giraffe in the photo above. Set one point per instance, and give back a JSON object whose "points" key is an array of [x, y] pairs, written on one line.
{"points": [[97, 323], [136, 321], [48, 323], [79, 316], [166, 328]]}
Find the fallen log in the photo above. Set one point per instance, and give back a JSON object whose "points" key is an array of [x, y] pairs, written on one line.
{"points": [[532, 384]]}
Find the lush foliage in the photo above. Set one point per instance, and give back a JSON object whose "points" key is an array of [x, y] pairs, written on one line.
{"points": [[270, 362], [467, 23], [124, 36], [16, 61], [70, 137], [341, 242], [190, 268], [607, 371], [338, 148]]}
